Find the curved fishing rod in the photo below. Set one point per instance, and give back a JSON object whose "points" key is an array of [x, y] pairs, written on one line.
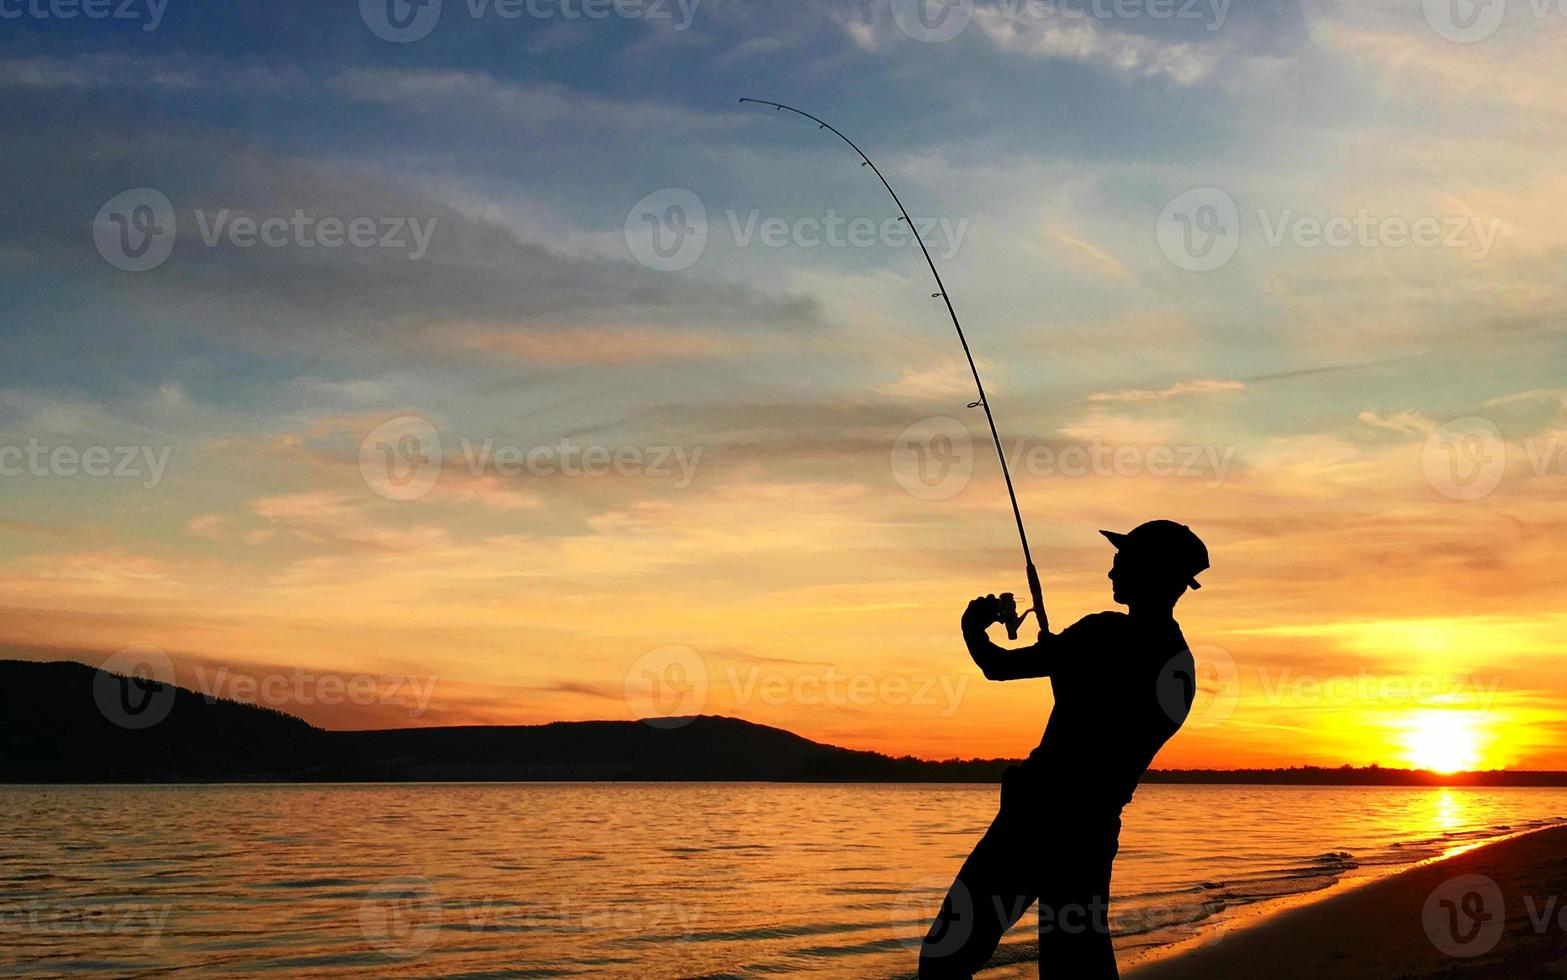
{"points": [[1010, 617]]}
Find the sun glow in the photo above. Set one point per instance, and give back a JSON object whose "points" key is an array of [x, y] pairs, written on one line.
{"points": [[1443, 741]]}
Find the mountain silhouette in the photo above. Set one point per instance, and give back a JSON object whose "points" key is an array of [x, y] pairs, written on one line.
{"points": [[54, 730]]}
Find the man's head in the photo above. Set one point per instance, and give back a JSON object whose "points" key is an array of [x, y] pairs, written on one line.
{"points": [[1156, 562]]}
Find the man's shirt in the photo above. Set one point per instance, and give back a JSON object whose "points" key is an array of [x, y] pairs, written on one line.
{"points": [[1122, 688]]}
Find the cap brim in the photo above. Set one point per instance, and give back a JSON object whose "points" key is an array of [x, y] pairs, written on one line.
{"points": [[1116, 538]]}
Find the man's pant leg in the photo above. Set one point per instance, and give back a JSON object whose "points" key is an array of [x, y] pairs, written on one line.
{"points": [[1074, 905], [992, 891]]}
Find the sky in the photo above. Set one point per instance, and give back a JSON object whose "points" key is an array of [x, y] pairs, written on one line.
{"points": [[490, 362]]}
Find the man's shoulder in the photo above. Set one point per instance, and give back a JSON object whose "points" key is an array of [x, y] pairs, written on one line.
{"points": [[1107, 625], [1101, 622]]}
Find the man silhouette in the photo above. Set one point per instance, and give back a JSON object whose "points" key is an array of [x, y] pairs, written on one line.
{"points": [[1123, 684]]}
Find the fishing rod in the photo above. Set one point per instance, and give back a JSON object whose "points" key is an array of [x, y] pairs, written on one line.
{"points": [[1009, 614]]}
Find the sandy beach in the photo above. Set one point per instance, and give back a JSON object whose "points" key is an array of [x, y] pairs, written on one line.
{"points": [[1492, 911], [1495, 911]]}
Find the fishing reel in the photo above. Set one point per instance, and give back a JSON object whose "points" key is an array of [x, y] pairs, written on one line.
{"points": [[1007, 614]]}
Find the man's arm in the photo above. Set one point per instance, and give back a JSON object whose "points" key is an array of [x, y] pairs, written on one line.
{"points": [[997, 662]]}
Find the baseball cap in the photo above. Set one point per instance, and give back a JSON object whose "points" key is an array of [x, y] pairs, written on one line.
{"points": [[1165, 543]]}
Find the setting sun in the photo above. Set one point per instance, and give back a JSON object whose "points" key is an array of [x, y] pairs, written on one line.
{"points": [[1443, 741]]}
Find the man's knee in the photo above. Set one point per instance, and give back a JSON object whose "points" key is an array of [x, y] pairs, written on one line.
{"points": [[1075, 916]]}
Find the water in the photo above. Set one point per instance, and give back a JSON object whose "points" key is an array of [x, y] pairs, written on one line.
{"points": [[635, 880]]}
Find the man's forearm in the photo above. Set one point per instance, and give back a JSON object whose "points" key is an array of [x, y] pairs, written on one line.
{"points": [[998, 663]]}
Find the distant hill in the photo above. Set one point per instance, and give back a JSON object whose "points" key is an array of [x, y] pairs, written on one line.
{"points": [[54, 728], [703, 747]]}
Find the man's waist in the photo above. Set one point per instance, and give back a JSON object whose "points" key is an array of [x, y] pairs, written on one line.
{"points": [[1042, 788]]}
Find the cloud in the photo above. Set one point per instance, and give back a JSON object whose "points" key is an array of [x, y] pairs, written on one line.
{"points": [[1207, 386], [495, 100], [209, 526], [1405, 423], [1097, 258], [1087, 41], [585, 344]]}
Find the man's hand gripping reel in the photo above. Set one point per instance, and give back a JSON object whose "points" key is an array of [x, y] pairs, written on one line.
{"points": [[1007, 614]]}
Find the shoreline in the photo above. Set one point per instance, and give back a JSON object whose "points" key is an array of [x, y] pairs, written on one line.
{"points": [[1493, 909]]}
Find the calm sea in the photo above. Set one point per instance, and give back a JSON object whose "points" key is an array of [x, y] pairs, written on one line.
{"points": [[634, 880]]}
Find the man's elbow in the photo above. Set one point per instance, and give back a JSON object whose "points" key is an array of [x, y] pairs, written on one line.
{"points": [[994, 672]]}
